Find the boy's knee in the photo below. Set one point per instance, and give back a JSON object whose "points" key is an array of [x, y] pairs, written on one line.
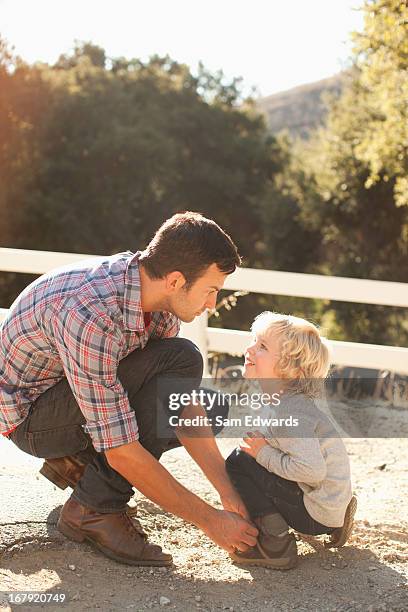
{"points": [[234, 461], [238, 461]]}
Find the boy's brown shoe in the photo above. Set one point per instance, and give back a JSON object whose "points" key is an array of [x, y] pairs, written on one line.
{"points": [[340, 536], [278, 553], [276, 547], [116, 535]]}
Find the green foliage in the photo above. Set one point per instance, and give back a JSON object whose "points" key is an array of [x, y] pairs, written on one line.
{"points": [[95, 152], [382, 58], [349, 178], [108, 148]]}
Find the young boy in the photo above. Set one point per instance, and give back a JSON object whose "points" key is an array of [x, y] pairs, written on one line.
{"points": [[296, 473]]}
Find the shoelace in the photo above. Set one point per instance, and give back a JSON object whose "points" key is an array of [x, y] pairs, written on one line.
{"points": [[136, 526]]}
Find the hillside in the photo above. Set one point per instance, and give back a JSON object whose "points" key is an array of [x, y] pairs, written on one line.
{"points": [[300, 109]]}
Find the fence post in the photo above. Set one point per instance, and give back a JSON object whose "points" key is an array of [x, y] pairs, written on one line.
{"points": [[196, 331]]}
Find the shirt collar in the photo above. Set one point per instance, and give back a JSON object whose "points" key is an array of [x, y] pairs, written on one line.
{"points": [[132, 305]]}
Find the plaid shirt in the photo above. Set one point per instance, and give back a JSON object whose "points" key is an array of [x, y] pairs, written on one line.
{"points": [[78, 322]]}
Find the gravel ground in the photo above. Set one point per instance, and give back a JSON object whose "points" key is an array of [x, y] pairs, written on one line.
{"points": [[369, 574]]}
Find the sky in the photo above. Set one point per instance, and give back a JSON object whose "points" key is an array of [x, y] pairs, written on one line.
{"points": [[273, 45]]}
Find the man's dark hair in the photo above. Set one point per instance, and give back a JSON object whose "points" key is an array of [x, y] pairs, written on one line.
{"points": [[189, 243]]}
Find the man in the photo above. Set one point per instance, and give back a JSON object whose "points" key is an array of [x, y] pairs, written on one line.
{"points": [[82, 352]]}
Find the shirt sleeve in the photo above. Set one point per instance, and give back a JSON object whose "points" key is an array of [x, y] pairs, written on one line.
{"points": [[89, 350]]}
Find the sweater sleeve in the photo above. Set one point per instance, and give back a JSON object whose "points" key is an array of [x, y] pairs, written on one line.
{"points": [[295, 454], [296, 461]]}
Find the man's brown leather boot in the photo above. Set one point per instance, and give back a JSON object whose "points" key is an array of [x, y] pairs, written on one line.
{"points": [[116, 535], [66, 471], [63, 472]]}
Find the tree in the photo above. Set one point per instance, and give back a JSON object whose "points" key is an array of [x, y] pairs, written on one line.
{"points": [[101, 150], [356, 169], [382, 58]]}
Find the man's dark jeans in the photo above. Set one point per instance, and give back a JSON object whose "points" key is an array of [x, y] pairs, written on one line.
{"points": [[53, 426], [265, 493]]}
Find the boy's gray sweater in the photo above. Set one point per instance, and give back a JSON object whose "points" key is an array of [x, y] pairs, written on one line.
{"points": [[313, 455]]}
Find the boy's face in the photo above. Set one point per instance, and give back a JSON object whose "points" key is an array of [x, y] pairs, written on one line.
{"points": [[262, 356]]}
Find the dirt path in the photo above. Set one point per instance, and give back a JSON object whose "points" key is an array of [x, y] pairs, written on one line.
{"points": [[369, 574]]}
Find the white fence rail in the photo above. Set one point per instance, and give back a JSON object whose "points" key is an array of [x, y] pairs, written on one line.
{"points": [[261, 281]]}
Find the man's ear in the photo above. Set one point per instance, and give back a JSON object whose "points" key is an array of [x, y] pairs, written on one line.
{"points": [[175, 280]]}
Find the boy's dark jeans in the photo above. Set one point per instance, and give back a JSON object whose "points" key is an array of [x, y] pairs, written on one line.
{"points": [[53, 426], [265, 493]]}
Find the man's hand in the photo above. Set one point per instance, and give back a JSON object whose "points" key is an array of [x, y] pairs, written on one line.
{"points": [[205, 452], [144, 472], [233, 503], [253, 443], [231, 532]]}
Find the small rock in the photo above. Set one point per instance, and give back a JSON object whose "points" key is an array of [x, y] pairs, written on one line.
{"points": [[197, 597], [372, 568], [164, 601], [72, 567]]}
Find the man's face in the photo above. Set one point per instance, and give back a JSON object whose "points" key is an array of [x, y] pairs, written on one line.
{"points": [[189, 304]]}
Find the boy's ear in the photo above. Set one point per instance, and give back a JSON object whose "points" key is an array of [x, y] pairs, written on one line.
{"points": [[175, 281]]}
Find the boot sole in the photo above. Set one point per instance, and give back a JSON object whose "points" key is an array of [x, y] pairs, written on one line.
{"points": [[77, 536]]}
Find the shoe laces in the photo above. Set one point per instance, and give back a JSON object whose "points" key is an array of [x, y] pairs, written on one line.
{"points": [[136, 526]]}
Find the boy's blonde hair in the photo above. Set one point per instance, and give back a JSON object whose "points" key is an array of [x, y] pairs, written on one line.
{"points": [[304, 359]]}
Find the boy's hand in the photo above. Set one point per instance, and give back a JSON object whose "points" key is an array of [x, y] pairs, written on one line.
{"points": [[253, 443]]}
